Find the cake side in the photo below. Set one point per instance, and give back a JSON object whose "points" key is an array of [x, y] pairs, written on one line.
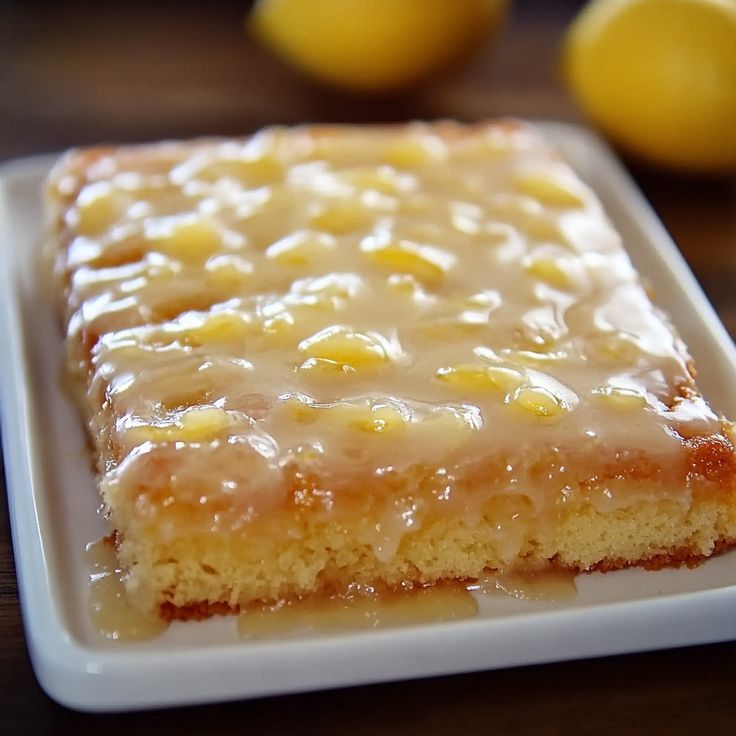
{"points": [[229, 572], [397, 355]]}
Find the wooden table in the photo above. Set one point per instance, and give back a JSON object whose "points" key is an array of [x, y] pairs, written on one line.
{"points": [[71, 74]]}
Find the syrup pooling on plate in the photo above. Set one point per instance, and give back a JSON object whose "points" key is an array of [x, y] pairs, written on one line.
{"points": [[357, 307], [356, 610], [112, 614], [550, 584], [363, 607]]}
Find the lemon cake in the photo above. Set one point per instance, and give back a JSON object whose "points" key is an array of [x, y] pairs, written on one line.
{"points": [[321, 356]]}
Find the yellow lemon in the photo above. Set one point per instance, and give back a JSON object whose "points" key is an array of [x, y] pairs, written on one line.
{"points": [[659, 78], [373, 45]]}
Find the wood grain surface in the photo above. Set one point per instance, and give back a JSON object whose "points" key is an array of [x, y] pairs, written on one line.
{"points": [[78, 73]]}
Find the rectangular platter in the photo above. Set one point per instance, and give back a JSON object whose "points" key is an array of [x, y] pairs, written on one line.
{"points": [[53, 508]]}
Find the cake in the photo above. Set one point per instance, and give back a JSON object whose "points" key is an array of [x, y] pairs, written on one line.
{"points": [[327, 355]]}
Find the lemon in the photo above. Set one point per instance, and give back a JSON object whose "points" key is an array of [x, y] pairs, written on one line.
{"points": [[659, 78], [373, 45]]}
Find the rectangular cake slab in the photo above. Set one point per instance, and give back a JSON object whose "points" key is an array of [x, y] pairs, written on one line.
{"points": [[53, 500]]}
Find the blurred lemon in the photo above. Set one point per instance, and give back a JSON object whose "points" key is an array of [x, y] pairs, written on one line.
{"points": [[373, 45], [659, 77]]}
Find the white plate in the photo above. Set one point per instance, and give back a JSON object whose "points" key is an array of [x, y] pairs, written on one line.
{"points": [[53, 512]]}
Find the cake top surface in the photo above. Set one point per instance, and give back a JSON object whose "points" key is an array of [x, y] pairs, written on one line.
{"points": [[356, 302]]}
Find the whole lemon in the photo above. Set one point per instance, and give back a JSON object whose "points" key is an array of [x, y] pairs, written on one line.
{"points": [[659, 78], [373, 45]]}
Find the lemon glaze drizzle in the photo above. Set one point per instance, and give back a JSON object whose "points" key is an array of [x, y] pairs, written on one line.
{"points": [[356, 307]]}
